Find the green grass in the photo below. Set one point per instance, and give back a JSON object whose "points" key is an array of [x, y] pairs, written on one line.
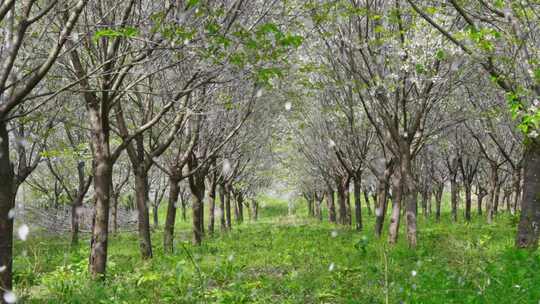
{"points": [[283, 259]]}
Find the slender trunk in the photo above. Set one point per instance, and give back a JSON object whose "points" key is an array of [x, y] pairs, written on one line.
{"points": [[425, 202], [170, 219], [143, 216], [228, 218], [497, 199], [319, 208], [331, 205], [240, 204], [493, 189], [454, 197], [342, 205], [357, 205], [114, 200], [309, 202], [7, 203], [396, 208], [382, 201], [212, 205], [155, 210], [429, 204], [197, 204], [409, 194], [528, 228], [517, 189], [75, 207], [506, 201], [183, 203], [221, 212], [468, 200], [368, 204], [438, 201], [235, 207], [197, 187], [255, 209], [349, 208]]}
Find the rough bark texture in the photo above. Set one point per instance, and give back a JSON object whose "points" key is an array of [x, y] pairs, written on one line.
{"points": [[168, 230], [493, 181], [102, 187], [228, 219], [143, 214], [212, 204], [357, 204], [343, 185], [7, 201], [438, 201], [331, 205], [197, 187], [454, 197], [409, 194], [528, 228], [222, 221], [382, 201], [396, 209], [468, 201]]}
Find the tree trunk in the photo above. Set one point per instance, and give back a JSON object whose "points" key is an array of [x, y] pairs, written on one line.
{"points": [[183, 203], [357, 182], [516, 179], [349, 208], [228, 207], [170, 219], [342, 197], [255, 209], [438, 201], [222, 208], [75, 207], [493, 181], [197, 204], [319, 208], [7, 203], [155, 210], [396, 208], [141, 197], [528, 228], [468, 200], [382, 201], [197, 187], [409, 194], [424, 202], [368, 204], [212, 204], [497, 199], [331, 206], [240, 204], [102, 187], [454, 197], [114, 200]]}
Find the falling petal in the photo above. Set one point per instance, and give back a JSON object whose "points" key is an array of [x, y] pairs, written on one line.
{"points": [[10, 297], [23, 232], [288, 106]]}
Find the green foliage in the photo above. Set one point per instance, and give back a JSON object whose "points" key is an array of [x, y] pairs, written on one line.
{"points": [[286, 259], [126, 32]]}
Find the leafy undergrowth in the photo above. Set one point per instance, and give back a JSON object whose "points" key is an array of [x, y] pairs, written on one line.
{"points": [[291, 259]]}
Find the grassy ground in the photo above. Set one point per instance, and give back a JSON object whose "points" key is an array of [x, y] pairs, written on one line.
{"points": [[291, 259]]}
